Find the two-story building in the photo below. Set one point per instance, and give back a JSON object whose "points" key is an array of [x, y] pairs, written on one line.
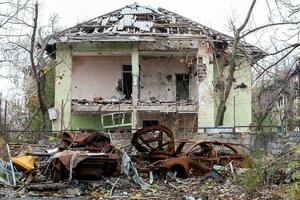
{"points": [[138, 66]]}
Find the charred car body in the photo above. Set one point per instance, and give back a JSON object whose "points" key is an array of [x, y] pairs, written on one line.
{"points": [[85, 156], [156, 151], [90, 155]]}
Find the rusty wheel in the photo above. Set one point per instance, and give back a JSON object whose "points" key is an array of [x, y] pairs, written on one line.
{"points": [[154, 139]]}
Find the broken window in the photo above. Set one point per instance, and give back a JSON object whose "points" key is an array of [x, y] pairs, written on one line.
{"points": [[116, 120], [127, 81], [147, 123], [182, 87]]}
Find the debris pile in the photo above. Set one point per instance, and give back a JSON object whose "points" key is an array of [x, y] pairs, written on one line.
{"points": [[87, 164]]}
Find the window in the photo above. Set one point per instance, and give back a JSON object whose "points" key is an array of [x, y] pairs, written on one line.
{"points": [[127, 81], [182, 87], [115, 120]]}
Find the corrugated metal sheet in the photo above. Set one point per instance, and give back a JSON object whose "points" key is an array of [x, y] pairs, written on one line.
{"points": [[126, 21], [143, 25], [104, 21], [134, 9], [173, 19], [113, 19]]}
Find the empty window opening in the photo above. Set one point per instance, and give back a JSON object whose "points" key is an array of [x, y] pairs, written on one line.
{"points": [[182, 87], [147, 123], [127, 81]]}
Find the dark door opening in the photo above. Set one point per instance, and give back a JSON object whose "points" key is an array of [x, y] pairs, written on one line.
{"points": [[127, 81], [147, 123], [182, 87]]}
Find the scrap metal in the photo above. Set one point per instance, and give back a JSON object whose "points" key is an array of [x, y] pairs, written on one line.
{"points": [[90, 156], [156, 147], [154, 140], [88, 140]]}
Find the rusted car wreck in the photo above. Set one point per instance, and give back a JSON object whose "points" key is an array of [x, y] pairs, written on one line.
{"points": [[85, 156], [90, 155], [156, 151]]}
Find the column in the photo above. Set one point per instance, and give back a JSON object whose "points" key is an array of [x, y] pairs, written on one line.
{"points": [[135, 85], [206, 114]]}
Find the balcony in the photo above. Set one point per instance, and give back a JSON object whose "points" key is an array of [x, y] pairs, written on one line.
{"points": [[101, 106], [184, 106]]}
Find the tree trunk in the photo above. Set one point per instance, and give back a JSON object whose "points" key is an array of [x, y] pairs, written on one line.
{"points": [[43, 120], [226, 91], [224, 94], [39, 78], [259, 125], [220, 113], [44, 109]]}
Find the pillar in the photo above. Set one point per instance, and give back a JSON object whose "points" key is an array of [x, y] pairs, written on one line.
{"points": [[135, 85], [63, 74], [206, 114]]}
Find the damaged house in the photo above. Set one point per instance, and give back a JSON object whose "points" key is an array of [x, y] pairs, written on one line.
{"points": [[139, 66]]}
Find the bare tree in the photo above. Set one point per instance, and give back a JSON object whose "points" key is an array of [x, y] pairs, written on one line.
{"points": [[27, 53], [238, 46], [38, 59], [10, 10], [232, 63]]}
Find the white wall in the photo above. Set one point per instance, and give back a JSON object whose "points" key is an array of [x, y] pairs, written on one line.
{"points": [[96, 76], [154, 82]]}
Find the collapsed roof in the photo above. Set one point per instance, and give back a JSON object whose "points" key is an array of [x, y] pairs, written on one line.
{"points": [[140, 21], [136, 22]]}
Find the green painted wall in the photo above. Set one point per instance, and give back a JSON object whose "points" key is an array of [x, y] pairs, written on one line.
{"points": [[243, 111], [86, 121], [63, 86], [64, 76], [103, 47]]}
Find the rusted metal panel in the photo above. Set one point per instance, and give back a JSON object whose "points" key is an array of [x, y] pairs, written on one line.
{"points": [[87, 140], [81, 165], [93, 167]]}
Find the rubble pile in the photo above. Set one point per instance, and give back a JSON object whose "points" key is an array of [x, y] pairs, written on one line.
{"points": [[155, 167]]}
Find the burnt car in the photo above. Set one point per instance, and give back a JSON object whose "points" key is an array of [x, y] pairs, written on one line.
{"points": [[85, 155], [156, 151], [153, 143]]}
